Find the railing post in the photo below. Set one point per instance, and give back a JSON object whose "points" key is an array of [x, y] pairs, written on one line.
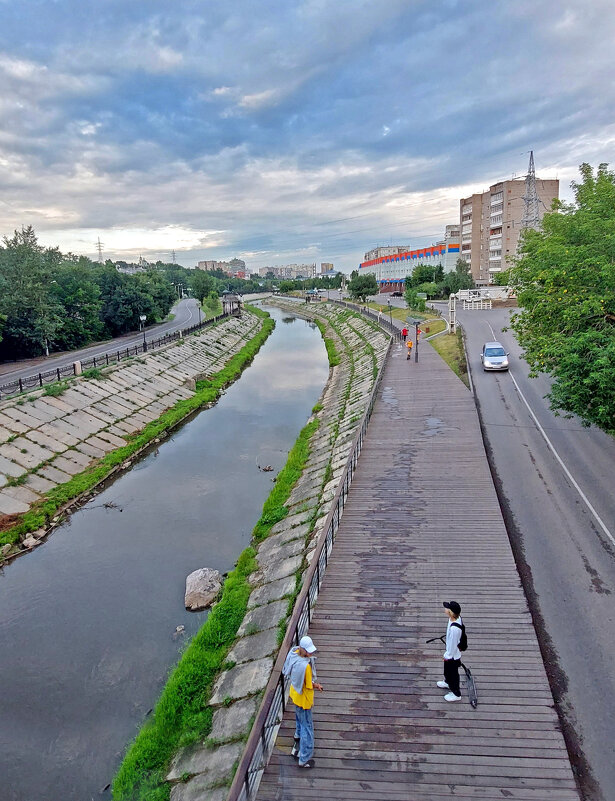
{"points": [[40, 379], [20, 385], [58, 373]]}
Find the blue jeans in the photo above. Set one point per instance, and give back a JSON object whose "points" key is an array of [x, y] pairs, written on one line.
{"points": [[304, 732]]}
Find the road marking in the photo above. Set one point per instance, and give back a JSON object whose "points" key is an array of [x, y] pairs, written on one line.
{"points": [[561, 462], [491, 329]]}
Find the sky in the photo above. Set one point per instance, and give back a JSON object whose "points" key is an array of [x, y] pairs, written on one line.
{"points": [[293, 131]]}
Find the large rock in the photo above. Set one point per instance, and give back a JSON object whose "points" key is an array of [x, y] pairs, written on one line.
{"points": [[202, 586]]}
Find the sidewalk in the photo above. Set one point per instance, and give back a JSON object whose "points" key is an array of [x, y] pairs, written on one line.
{"points": [[423, 525]]}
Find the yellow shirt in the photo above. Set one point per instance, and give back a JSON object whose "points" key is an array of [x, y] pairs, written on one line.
{"points": [[306, 699]]}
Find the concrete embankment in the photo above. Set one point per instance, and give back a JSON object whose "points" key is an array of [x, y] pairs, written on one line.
{"points": [[283, 552], [49, 443]]}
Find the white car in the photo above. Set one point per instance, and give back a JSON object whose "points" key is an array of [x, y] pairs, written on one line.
{"points": [[494, 357]]}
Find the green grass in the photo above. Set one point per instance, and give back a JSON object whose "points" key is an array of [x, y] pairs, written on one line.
{"points": [[332, 353], [274, 508], [54, 390], [93, 372], [450, 347], [206, 392]]}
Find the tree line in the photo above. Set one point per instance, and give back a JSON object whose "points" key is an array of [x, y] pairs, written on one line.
{"points": [[50, 301]]}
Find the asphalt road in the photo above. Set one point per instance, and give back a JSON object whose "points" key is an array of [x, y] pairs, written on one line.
{"points": [[560, 508], [186, 314]]}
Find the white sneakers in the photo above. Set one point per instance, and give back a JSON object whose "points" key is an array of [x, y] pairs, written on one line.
{"points": [[442, 685], [452, 697]]}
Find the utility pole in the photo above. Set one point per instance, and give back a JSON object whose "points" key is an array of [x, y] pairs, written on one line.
{"points": [[531, 215], [99, 248]]}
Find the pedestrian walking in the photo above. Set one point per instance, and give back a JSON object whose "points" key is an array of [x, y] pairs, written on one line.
{"points": [[452, 654], [404, 333], [409, 346], [299, 667]]}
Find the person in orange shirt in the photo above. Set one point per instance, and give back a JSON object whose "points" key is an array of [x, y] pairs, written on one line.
{"points": [[299, 669], [409, 346]]}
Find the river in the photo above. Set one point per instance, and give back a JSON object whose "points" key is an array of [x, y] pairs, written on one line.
{"points": [[88, 620]]}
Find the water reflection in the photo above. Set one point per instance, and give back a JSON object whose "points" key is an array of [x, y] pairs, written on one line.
{"points": [[88, 621]]}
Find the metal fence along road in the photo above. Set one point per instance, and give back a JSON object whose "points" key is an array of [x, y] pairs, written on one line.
{"points": [[37, 380]]}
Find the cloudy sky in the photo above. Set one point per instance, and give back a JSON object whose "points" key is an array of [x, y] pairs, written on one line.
{"points": [[288, 131]]}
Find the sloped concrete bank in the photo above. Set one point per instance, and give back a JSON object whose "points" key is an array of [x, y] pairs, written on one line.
{"points": [[204, 770], [54, 450]]}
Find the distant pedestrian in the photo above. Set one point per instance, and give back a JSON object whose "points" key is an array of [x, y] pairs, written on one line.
{"points": [[300, 669], [409, 347], [452, 654], [404, 333]]}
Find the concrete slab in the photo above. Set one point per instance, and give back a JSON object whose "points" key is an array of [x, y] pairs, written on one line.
{"points": [[21, 416], [9, 468], [55, 430], [261, 618], [22, 493], [256, 646], [84, 422], [214, 764], [290, 522], [11, 506], [278, 551], [40, 484], [112, 439], [90, 450], [242, 680], [53, 474], [277, 569], [101, 444], [197, 789], [272, 591], [25, 452], [232, 721], [45, 441], [67, 465]]}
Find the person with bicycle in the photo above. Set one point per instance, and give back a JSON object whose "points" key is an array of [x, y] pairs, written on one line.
{"points": [[452, 654]]}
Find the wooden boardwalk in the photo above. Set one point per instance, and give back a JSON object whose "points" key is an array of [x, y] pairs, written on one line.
{"points": [[423, 525]]}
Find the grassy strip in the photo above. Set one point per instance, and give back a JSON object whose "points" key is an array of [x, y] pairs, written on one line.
{"points": [[450, 347], [207, 392], [181, 716], [274, 508], [332, 353]]}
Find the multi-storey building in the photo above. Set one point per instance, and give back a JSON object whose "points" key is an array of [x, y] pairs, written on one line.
{"points": [[393, 266], [326, 266], [491, 223]]}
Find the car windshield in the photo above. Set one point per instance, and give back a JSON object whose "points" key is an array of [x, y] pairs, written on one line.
{"points": [[495, 352]]}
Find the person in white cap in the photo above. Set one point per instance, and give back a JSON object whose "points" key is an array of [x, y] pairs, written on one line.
{"points": [[299, 669]]}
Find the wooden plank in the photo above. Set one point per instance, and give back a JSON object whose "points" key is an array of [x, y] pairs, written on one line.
{"points": [[422, 524]]}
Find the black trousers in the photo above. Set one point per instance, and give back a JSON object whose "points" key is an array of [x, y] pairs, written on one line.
{"points": [[451, 675]]}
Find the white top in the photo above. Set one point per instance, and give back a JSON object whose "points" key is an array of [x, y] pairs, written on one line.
{"points": [[453, 635]]}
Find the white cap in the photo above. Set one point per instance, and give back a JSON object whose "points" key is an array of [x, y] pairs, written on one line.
{"points": [[307, 644]]}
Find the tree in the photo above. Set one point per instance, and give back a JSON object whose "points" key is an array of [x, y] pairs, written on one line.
{"points": [[413, 300], [202, 284], [33, 313], [79, 295], [361, 286], [564, 277], [459, 278]]}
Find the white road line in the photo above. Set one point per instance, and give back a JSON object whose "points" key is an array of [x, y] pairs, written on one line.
{"points": [[492, 331], [563, 466]]}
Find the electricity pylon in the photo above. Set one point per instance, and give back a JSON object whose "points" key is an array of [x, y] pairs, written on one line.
{"points": [[531, 215]]}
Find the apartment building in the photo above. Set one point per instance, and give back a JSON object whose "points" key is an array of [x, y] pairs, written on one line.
{"points": [[490, 224]]}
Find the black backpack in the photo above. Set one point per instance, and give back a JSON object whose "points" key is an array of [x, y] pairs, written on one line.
{"points": [[463, 642]]}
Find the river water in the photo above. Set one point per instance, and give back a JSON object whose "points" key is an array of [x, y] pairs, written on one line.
{"points": [[87, 621]]}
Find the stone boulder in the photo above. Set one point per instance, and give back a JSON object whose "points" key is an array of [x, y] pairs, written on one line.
{"points": [[202, 586]]}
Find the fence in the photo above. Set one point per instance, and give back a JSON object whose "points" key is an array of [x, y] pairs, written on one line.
{"points": [[267, 723], [38, 380]]}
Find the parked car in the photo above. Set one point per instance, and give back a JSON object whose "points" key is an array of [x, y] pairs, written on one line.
{"points": [[396, 294], [493, 356]]}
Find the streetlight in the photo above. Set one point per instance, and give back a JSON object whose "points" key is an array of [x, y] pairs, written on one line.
{"points": [[142, 319], [390, 313]]}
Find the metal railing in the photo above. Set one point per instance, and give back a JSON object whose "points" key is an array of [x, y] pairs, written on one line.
{"points": [[37, 380], [269, 717], [384, 320]]}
